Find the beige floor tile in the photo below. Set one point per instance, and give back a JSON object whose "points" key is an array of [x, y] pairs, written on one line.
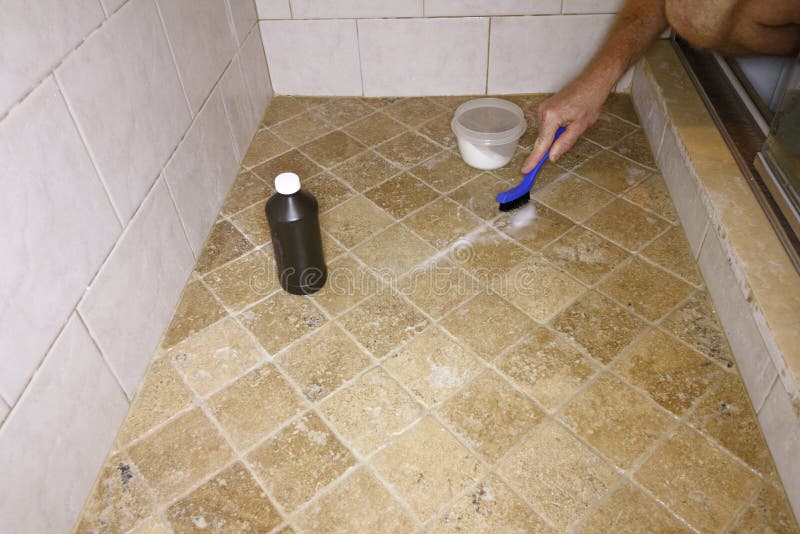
{"points": [[445, 171], [612, 172], [438, 129], [407, 150], [371, 411], [547, 367], [299, 461], [413, 111], [246, 190], [645, 289], [539, 289], [652, 195], [673, 374], [324, 361], [697, 324], [727, 416], [672, 252], [433, 366], [478, 195], [281, 319], [245, 280], [533, 225], [214, 356], [342, 111], [401, 195], [151, 525], [328, 190], [393, 252], [302, 128], [558, 475], [254, 405], [629, 510], [252, 223], [769, 512], [332, 149], [375, 129], [615, 420], [442, 222], [608, 130], [224, 243], [427, 467], [585, 255], [621, 105], [572, 196], [230, 502], [636, 147], [282, 108], [598, 324], [365, 170], [330, 247], [438, 286], [492, 507], [349, 282], [357, 504], [626, 225], [580, 152], [180, 454], [486, 253], [354, 221], [265, 145], [488, 324], [119, 501], [697, 481], [292, 161], [196, 310], [529, 102], [491, 416], [382, 322]]}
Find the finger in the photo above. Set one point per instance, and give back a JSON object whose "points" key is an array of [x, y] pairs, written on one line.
{"points": [[567, 140], [547, 130]]}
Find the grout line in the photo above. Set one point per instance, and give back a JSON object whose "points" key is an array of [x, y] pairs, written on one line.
{"points": [[93, 337], [192, 113], [360, 62], [488, 56]]}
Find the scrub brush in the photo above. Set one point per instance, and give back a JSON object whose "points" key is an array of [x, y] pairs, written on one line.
{"points": [[521, 194]]}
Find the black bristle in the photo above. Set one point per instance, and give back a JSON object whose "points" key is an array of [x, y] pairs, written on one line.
{"points": [[516, 203]]}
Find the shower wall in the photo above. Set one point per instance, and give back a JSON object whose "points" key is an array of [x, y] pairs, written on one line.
{"points": [[122, 126]]}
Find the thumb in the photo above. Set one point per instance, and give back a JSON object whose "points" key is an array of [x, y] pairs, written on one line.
{"points": [[540, 146]]}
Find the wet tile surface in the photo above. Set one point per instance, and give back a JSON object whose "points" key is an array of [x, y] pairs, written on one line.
{"points": [[556, 368]]}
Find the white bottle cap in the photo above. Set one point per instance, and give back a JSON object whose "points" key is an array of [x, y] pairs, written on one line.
{"points": [[287, 183]]}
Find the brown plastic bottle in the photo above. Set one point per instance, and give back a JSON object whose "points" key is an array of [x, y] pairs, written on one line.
{"points": [[293, 217]]}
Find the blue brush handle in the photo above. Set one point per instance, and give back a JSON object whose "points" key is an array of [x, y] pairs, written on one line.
{"points": [[527, 182]]}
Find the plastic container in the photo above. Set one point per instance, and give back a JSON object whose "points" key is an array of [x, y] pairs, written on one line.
{"points": [[488, 130], [293, 217]]}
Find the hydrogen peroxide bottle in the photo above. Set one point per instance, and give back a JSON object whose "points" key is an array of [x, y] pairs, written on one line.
{"points": [[293, 217]]}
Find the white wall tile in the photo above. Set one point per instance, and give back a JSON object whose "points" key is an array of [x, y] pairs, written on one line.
{"points": [[592, 6], [454, 8], [202, 41], [122, 86], [241, 114], [345, 9], [202, 170], [58, 225], [273, 9], [34, 36], [4, 409], [312, 57], [54, 442], [782, 431], [112, 5], [648, 106], [253, 63], [130, 302], [243, 13], [542, 54], [403, 57]]}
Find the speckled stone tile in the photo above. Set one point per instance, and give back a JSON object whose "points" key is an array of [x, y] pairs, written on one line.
{"points": [[626, 225], [486, 253], [254, 405], [671, 251], [533, 225], [582, 150], [281, 108], [161, 395], [442, 222], [302, 128], [491, 507], [629, 510], [394, 251], [401, 195], [636, 147], [292, 161], [696, 323], [612, 172], [558, 475], [413, 111], [265, 145], [299, 461], [245, 280], [375, 129], [332, 149], [427, 467], [328, 190], [547, 367], [357, 504], [615, 420], [230, 502], [673, 374], [433, 366], [645, 289], [538, 288], [180, 454], [252, 223], [342, 111], [769, 512], [697, 481], [621, 105], [354, 221], [382, 322], [224, 243], [151, 525], [438, 286], [196, 310], [365, 170], [445, 171], [573, 196], [652, 195], [488, 324], [490, 416], [478, 195], [322, 362], [407, 150], [608, 130], [119, 501], [438, 129], [281, 319], [599, 325], [371, 411], [585, 255], [349, 282], [246, 190]]}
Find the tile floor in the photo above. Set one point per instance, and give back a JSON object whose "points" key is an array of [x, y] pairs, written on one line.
{"points": [[559, 368]]}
